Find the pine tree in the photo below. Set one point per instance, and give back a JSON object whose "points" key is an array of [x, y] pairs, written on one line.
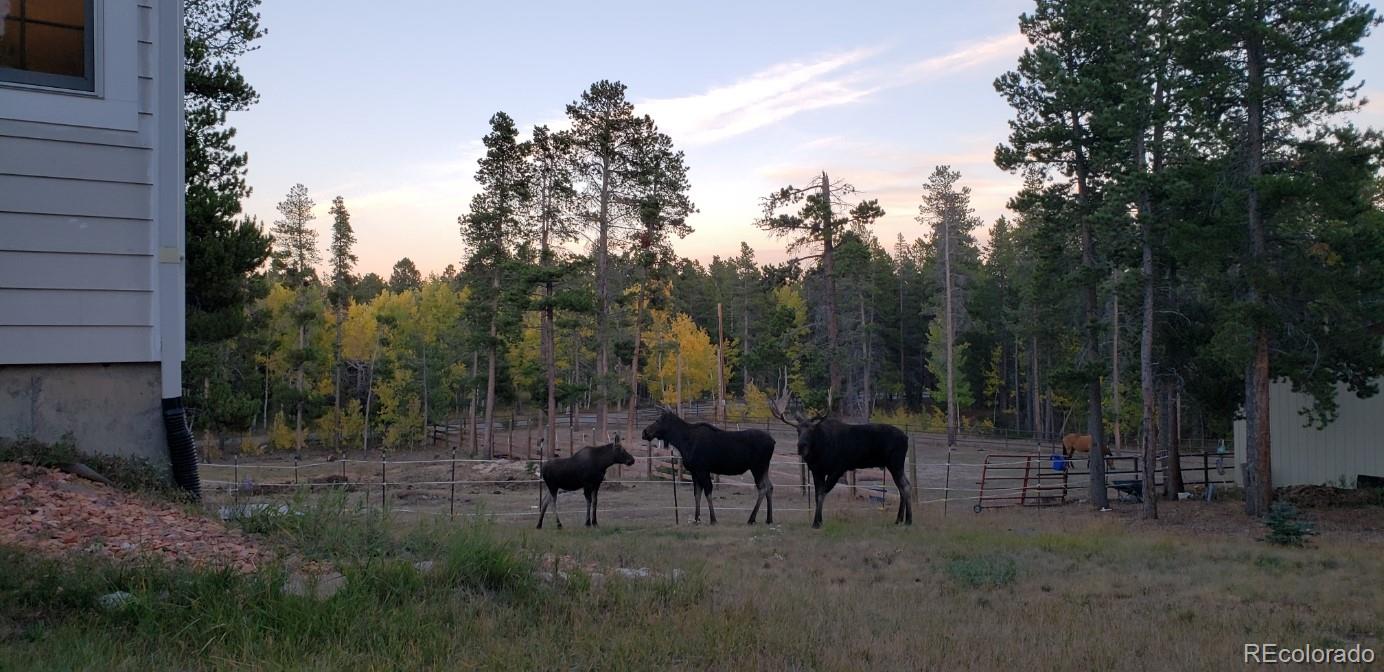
{"points": [[552, 205], [404, 277], [1267, 72], [947, 210], [661, 186], [1057, 93], [605, 137], [814, 224], [492, 230], [295, 242], [342, 262]]}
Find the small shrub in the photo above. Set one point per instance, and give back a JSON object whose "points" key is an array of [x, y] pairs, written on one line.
{"points": [[127, 473], [983, 571], [281, 436], [1286, 526]]}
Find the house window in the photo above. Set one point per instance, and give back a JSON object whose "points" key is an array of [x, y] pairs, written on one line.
{"points": [[47, 43]]}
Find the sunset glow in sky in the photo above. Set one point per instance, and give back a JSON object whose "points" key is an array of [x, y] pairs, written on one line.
{"points": [[387, 109]]}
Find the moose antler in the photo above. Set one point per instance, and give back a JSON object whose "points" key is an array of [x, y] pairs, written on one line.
{"points": [[785, 400]]}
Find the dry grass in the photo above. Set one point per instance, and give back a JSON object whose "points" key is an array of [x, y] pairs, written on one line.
{"points": [[1052, 591]]}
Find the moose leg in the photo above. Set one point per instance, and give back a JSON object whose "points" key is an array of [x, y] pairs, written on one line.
{"points": [[905, 495], [697, 496], [556, 516], [595, 502], [824, 486], [586, 492], [711, 510], [543, 507], [768, 500], [759, 496], [763, 489]]}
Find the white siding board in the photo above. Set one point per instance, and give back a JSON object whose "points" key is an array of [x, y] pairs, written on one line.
{"points": [[74, 308], [146, 23], [70, 160], [63, 133], [74, 345], [86, 235], [146, 59], [49, 270], [146, 95], [73, 197]]}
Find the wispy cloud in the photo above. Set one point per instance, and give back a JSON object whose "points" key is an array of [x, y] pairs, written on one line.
{"points": [[788, 89], [1003, 47], [761, 99]]}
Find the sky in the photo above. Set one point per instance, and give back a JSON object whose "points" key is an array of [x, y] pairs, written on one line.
{"points": [[387, 111]]}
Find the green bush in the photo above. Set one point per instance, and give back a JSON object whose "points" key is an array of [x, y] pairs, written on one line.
{"points": [[1286, 526]]}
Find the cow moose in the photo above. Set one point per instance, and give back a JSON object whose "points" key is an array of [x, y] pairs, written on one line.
{"points": [[584, 470], [830, 448], [707, 450]]}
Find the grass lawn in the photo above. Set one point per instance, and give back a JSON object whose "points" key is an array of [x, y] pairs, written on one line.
{"points": [[997, 591]]}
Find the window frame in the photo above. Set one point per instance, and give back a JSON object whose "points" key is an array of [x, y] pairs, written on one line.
{"points": [[84, 84], [114, 105]]}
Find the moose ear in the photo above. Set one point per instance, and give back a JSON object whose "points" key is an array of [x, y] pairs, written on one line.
{"points": [[615, 438]]}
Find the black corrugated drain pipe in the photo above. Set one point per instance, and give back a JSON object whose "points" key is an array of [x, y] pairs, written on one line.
{"points": [[182, 450]]}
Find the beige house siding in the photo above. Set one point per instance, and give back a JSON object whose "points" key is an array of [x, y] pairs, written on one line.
{"points": [[1348, 447]]}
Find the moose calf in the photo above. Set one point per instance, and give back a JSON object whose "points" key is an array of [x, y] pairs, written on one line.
{"points": [[583, 471]]}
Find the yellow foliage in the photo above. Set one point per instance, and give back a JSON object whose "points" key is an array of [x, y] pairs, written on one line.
{"points": [[682, 338], [280, 434], [249, 446], [756, 403]]}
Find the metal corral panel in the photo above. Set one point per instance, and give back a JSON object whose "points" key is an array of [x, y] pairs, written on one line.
{"points": [[1348, 447]]}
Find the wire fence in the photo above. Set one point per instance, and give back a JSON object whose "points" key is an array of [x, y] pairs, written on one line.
{"points": [[509, 488]]}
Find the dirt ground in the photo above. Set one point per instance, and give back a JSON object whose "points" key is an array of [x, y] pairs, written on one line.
{"points": [[419, 482], [508, 489]]}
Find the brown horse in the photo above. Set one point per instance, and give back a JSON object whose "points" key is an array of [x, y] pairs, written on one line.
{"points": [[1080, 443]]}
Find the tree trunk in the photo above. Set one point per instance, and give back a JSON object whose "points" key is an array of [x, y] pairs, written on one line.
{"points": [[720, 413], [953, 414], [1258, 479], [475, 364], [1115, 367], [634, 360], [1094, 424], [490, 369], [903, 369], [865, 350], [266, 397], [828, 265], [1035, 389], [298, 423], [549, 346], [426, 437], [1146, 390], [602, 303], [745, 344], [369, 397], [336, 379]]}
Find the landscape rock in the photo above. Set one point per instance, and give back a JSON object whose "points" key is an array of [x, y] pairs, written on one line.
{"points": [[115, 601], [318, 587]]}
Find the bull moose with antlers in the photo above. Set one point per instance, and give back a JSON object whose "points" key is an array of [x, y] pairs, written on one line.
{"points": [[830, 448]]}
